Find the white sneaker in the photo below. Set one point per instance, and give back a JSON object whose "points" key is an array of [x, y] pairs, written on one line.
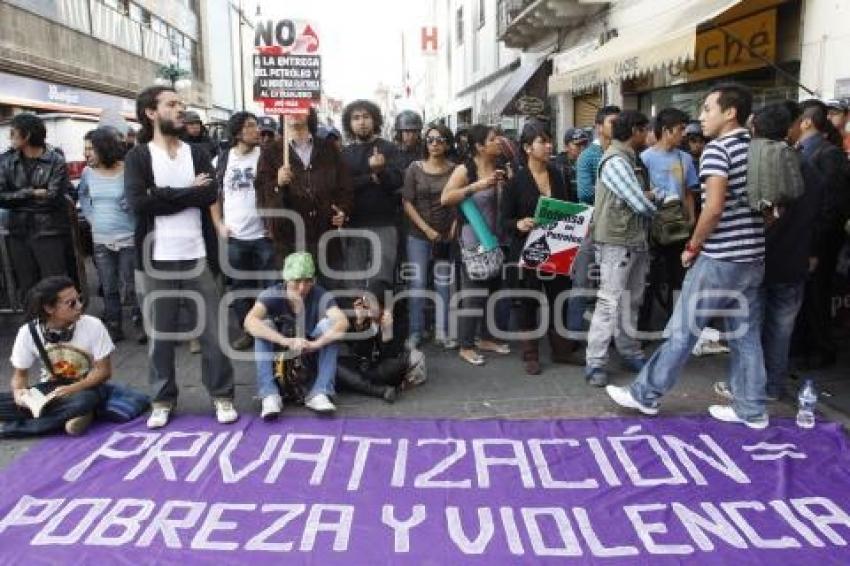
{"points": [[159, 417], [272, 406], [416, 374], [727, 414], [225, 413], [320, 403], [623, 397]]}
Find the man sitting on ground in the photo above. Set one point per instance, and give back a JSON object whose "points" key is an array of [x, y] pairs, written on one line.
{"points": [[316, 323], [78, 348]]}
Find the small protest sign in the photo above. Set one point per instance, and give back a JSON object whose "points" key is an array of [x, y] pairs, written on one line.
{"points": [[560, 228], [287, 65]]}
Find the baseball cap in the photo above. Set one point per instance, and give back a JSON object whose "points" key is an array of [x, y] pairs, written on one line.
{"points": [[191, 116], [693, 129], [298, 265], [576, 135], [836, 104], [267, 124]]}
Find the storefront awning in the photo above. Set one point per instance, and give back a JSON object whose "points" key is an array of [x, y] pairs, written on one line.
{"points": [[651, 42], [514, 84]]}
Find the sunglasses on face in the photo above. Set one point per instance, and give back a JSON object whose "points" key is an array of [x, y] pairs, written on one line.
{"points": [[435, 139]]}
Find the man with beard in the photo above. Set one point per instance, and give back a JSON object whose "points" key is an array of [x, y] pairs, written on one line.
{"points": [[169, 185], [249, 249], [376, 176], [408, 137]]}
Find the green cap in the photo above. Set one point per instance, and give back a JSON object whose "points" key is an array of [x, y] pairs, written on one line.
{"points": [[298, 265]]}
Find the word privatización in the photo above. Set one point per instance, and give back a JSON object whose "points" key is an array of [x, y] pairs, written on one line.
{"points": [[425, 463], [660, 528]]}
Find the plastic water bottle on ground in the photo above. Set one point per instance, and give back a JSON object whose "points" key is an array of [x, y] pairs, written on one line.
{"points": [[806, 401]]}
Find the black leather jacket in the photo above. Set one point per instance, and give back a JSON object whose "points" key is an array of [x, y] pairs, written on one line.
{"points": [[30, 215]]}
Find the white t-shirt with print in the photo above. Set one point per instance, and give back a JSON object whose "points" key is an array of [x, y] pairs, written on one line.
{"points": [[177, 236], [71, 360], [240, 196]]}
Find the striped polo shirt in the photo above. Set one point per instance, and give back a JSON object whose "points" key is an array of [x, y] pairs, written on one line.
{"points": [[739, 236]]}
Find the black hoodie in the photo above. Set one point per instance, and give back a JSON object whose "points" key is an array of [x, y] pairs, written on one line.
{"points": [[375, 204]]}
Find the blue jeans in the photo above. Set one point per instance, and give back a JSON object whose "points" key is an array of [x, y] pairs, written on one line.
{"points": [[325, 377], [781, 303], [712, 285], [17, 422], [114, 269], [249, 255], [419, 255]]}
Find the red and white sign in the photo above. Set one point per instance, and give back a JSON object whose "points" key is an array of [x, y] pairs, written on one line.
{"points": [[287, 65], [430, 43]]}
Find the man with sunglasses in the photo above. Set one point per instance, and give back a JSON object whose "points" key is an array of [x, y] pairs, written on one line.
{"points": [[73, 350], [575, 142]]}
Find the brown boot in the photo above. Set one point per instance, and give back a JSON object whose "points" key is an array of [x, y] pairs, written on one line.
{"points": [[530, 357], [564, 350]]}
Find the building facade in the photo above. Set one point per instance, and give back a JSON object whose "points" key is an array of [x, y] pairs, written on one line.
{"points": [[651, 54], [474, 76], [84, 56]]}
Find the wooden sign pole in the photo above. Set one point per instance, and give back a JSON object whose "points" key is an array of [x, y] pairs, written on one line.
{"points": [[285, 141]]}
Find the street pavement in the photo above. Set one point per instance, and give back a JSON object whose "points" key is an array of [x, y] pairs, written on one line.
{"points": [[499, 389]]}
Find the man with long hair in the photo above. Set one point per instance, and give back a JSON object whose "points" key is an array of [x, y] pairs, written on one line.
{"points": [[377, 177], [169, 185], [77, 347]]}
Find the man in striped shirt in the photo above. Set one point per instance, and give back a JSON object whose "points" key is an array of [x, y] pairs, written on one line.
{"points": [[620, 230], [726, 259]]}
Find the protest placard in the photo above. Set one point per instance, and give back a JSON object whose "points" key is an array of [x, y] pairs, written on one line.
{"points": [[560, 228], [287, 65]]}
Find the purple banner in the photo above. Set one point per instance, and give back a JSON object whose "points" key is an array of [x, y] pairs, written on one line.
{"points": [[348, 491]]}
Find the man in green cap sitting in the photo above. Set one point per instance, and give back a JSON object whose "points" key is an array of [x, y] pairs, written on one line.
{"points": [[312, 316]]}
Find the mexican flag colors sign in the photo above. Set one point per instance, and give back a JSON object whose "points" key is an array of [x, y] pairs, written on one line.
{"points": [[560, 228]]}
